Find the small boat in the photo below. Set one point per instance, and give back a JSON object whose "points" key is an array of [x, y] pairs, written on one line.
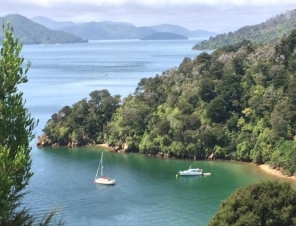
{"points": [[191, 172], [101, 179]]}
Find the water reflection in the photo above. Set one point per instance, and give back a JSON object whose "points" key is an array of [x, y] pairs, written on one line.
{"points": [[190, 178]]}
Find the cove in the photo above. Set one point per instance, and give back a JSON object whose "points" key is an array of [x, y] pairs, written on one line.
{"points": [[146, 191]]}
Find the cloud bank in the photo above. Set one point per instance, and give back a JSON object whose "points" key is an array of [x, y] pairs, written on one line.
{"points": [[212, 15]]}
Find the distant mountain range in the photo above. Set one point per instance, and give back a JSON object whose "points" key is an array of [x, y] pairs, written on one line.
{"points": [[267, 32], [29, 32], [116, 30], [42, 30]]}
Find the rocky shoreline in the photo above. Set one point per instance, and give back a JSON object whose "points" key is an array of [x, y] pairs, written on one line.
{"points": [[44, 141]]}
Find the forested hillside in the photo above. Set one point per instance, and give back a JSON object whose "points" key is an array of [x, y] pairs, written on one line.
{"points": [[29, 32], [237, 103], [163, 36], [83, 123], [268, 32]]}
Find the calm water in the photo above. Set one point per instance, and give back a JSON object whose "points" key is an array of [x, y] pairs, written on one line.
{"points": [[147, 191], [64, 74]]}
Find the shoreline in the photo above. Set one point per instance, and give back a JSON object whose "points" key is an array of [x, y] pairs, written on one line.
{"points": [[263, 167], [105, 146], [274, 172]]}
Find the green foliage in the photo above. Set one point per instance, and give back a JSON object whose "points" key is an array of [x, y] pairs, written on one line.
{"points": [[265, 203], [285, 50], [16, 127], [236, 46], [284, 157], [216, 70], [237, 103], [207, 90], [230, 91], [268, 32], [84, 122], [216, 110], [16, 132]]}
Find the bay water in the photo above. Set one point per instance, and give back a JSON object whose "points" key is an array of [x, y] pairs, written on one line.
{"points": [[147, 191]]}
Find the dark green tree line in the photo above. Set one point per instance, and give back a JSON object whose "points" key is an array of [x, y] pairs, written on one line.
{"points": [[83, 123]]}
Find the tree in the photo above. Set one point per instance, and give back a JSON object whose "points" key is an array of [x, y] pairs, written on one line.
{"points": [[216, 110], [207, 90], [285, 156], [97, 96], [264, 203], [278, 123], [16, 132]]}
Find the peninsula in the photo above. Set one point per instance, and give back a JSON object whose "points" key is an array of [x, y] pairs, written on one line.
{"points": [[164, 36]]}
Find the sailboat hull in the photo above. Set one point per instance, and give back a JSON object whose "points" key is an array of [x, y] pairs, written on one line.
{"points": [[103, 180]]}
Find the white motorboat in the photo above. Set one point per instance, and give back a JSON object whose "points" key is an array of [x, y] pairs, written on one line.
{"points": [[191, 172], [101, 179]]}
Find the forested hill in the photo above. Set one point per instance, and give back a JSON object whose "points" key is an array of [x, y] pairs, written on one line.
{"points": [[164, 36], [237, 103], [29, 32], [267, 32]]}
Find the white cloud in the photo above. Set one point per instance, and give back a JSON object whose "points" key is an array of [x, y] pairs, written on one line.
{"points": [[160, 2], [215, 15]]}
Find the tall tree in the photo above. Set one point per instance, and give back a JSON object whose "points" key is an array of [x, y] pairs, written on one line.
{"points": [[16, 132]]}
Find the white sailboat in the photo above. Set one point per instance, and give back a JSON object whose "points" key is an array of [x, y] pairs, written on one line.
{"points": [[100, 178]]}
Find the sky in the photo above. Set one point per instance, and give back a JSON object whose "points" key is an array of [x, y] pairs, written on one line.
{"points": [[219, 16]]}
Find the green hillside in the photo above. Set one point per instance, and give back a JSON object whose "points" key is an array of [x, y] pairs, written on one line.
{"points": [[237, 103], [107, 31], [29, 32], [267, 32], [164, 36], [182, 31]]}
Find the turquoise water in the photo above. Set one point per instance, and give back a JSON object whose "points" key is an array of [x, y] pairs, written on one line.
{"points": [[147, 191]]}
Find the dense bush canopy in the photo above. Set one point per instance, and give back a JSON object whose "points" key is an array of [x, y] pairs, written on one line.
{"points": [[237, 103], [265, 203], [82, 123], [268, 32]]}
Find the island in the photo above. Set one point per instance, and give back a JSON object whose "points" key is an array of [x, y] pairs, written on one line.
{"points": [[163, 36]]}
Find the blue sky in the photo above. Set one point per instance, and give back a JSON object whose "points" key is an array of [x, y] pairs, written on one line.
{"points": [[212, 15]]}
